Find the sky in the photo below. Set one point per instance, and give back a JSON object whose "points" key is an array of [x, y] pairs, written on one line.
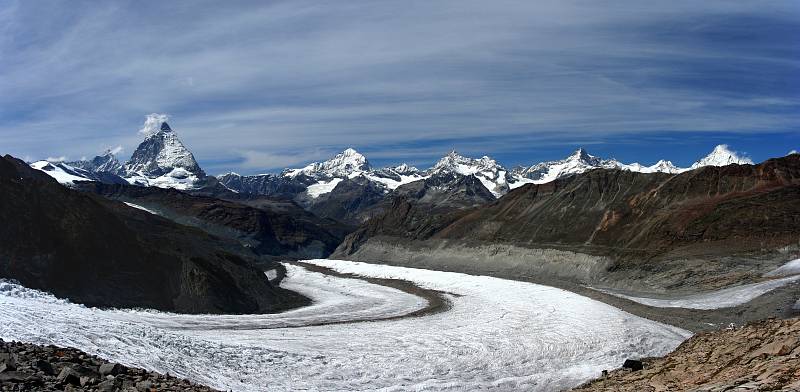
{"points": [[258, 86]]}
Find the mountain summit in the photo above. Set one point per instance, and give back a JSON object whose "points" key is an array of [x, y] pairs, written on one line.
{"points": [[722, 156], [105, 162], [345, 164], [162, 159]]}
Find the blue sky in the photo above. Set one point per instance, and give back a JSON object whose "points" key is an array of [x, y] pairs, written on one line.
{"points": [[258, 86]]}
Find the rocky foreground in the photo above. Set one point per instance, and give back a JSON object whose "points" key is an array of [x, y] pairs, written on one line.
{"points": [[28, 367], [763, 356]]}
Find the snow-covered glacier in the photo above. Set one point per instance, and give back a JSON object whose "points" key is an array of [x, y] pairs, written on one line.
{"points": [[497, 334]]}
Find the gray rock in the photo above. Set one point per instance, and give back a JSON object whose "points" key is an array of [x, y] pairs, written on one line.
{"points": [[107, 386], [110, 369], [45, 366], [13, 376], [9, 360], [145, 385], [68, 376]]}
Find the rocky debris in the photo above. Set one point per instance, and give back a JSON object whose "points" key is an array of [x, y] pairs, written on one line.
{"points": [[761, 356], [30, 367]]}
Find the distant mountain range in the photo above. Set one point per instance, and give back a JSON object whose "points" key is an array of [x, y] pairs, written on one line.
{"points": [[346, 186]]}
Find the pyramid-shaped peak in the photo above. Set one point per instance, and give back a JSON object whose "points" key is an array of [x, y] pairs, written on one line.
{"points": [[165, 127], [581, 153]]}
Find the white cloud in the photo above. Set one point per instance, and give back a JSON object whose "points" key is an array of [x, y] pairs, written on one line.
{"points": [[56, 159], [152, 123], [295, 76]]}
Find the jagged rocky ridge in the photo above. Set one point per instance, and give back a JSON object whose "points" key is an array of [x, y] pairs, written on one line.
{"points": [[348, 188], [103, 253], [643, 224]]}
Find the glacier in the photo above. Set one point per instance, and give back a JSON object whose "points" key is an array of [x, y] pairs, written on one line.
{"points": [[497, 334]]}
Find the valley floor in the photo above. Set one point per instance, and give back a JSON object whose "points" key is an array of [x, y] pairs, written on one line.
{"points": [[494, 333]]}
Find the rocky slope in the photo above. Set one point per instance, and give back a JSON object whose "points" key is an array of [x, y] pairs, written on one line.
{"points": [[29, 367], [763, 356], [103, 253], [635, 223], [269, 227]]}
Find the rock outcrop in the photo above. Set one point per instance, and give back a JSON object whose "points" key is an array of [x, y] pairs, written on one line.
{"points": [[763, 356], [267, 226]]}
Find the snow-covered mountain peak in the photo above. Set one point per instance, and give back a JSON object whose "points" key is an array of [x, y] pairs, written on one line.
{"points": [[162, 159], [456, 163], [405, 169], [493, 176], [721, 156], [348, 163], [665, 166], [105, 162]]}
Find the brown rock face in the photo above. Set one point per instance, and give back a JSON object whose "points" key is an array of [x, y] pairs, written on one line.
{"points": [[92, 251], [269, 227], [763, 356], [735, 208]]}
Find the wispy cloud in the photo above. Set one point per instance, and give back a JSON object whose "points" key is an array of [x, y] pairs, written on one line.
{"points": [[260, 86]]}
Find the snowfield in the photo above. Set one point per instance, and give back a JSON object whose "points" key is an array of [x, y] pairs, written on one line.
{"points": [[498, 334]]}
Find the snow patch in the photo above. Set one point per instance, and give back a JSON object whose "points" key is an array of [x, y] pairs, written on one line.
{"points": [[61, 172], [790, 268], [140, 207], [322, 187]]}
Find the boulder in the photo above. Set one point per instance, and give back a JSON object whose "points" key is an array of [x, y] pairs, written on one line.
{"points": [[45, 367], [633, 364], [68, 376], [110, 369]]}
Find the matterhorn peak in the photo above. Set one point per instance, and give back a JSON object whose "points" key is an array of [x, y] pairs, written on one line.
{"points": [[162, 159], [722, 156]]}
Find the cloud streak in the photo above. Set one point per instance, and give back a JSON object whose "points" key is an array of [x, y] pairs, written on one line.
{"points": [[262, 87]]}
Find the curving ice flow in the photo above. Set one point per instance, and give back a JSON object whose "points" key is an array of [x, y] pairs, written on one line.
{"points": [[498, 334], [724, 298]]}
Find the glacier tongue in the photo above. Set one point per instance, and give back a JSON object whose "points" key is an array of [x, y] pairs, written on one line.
{"points": [[497, 334]]}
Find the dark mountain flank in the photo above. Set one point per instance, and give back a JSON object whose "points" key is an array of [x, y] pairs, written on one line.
{"points": [[269, 227], [101, 253], [625, 218]]}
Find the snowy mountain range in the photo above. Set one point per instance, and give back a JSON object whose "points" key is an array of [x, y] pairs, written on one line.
{"points": [[162, 160]]}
